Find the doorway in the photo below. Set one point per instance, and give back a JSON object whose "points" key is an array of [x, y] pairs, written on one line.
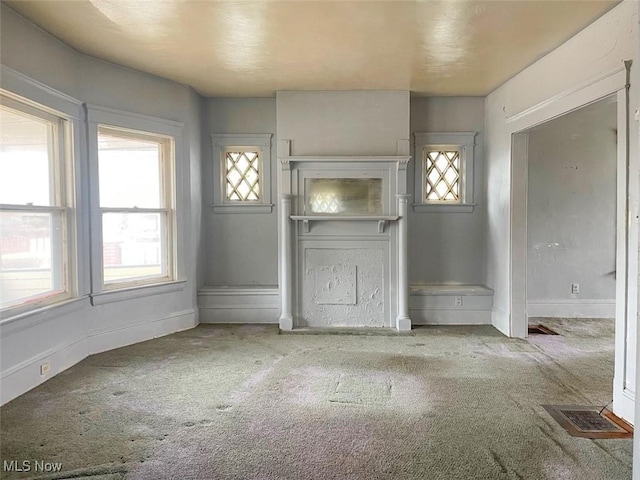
{"points": [[571, 215], [626, 265]]}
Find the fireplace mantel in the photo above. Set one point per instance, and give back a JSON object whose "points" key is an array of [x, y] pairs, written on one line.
{"points": [[403, 159], [382, 220], [342, 250]]}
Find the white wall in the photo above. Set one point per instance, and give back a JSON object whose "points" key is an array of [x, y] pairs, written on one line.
{"points": [[240, 248], [448, 247], [65, 334], [571, 213]]}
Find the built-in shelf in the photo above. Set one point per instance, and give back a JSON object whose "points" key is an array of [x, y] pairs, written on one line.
{"points": [[382, 220]]}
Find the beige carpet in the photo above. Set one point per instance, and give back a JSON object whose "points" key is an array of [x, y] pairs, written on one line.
{"points": [[243, 402]]}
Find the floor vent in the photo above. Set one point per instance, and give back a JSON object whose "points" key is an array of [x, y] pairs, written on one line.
{"points": [[589, 422], [541, 330]]}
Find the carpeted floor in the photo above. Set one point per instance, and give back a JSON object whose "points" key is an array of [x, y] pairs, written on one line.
{"points": [[243, 402]]}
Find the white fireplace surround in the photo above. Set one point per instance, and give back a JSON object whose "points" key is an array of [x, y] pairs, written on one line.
{"points": [[341, 269]]}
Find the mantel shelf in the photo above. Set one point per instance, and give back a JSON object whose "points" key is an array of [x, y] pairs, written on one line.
{"points": [[381, 219]]}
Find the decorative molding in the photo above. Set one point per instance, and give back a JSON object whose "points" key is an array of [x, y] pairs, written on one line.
{"points": [[242, 139], [572, 308], [401, 159], [244, 208], [462, 141], [44, 314], [444, 138], [444, 208], [450, 317], [190, 313], [624, 404], [110, 339], [284, 148], [24, 376], [38, 94], [220, 142], [124, 294], [132, 120], [617, 77]]}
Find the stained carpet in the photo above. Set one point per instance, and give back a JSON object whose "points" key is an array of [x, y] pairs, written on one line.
{"points": [[243, 402]]}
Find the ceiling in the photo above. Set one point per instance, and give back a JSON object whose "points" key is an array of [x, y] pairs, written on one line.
{"points": [[254, 48]]}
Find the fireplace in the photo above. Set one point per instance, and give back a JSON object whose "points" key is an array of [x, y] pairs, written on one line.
{"points": [[343, 242]]}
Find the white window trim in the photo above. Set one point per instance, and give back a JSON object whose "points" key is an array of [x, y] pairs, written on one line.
{"points": [[108, 117], [463, 142], [222, 143], [39, 98]]}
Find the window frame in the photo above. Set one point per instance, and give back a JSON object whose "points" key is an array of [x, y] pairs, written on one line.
{"points": [[462, 142], [63, 181], [169, 133], [223, 143]]}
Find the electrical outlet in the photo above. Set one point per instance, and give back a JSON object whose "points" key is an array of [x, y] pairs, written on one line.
{"points": [[45, 368], [458, 301], [575, 288]]}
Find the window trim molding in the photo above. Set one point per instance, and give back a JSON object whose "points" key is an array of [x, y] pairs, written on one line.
{"points": [[220, 143], [118, 119], [39, 100], [128, 291], [464, 142]]}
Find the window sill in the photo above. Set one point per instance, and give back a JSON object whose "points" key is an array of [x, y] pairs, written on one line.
{"points": [[443, 208], [247, 208], [60, 307], [129, 293]]}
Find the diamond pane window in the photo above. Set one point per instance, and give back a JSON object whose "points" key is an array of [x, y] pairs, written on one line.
{"points": [[242, 175], [442, 176]]}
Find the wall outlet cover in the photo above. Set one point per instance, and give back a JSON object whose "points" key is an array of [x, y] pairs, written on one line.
{"points": [[45, 368]]}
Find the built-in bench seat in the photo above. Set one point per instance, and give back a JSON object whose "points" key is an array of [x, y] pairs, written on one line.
{"points": [[450, 304], [239, 304]]}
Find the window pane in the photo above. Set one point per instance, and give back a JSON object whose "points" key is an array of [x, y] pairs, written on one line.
{"points": [[442, 177], [31, 255], [243, 177], [25, 163], [130, 171], [347, 196], [133, 246]]}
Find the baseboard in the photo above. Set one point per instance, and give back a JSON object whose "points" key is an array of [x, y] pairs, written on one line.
{"points": [[450, 317], [104, 340], [500, 321], [26, 375], [244, 304], [572, 308]]}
